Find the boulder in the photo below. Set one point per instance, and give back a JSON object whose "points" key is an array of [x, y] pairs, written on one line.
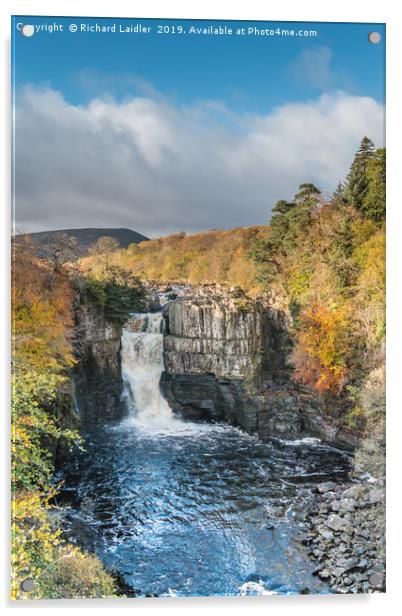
{"points": [[344, 504], [327, 486], [336, 523], [376, 496]]}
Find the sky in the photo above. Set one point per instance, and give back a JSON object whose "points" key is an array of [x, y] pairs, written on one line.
{"points": [[160, 132]]}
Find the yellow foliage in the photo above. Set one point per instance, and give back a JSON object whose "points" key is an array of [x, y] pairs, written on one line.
{"points": [[201, 258], [322, 345], [58, 570]]}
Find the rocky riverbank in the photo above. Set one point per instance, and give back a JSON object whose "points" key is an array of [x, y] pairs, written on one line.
{"points": [[346, 536]]}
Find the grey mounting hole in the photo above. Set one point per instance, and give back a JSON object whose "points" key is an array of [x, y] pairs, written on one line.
{"points": [[374, 37], [28, 30], [375, 580], [27, 585]]}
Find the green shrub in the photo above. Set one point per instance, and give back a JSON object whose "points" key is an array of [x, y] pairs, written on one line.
{"points": [[78, 576]]}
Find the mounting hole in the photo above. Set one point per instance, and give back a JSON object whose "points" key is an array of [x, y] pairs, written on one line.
{"points": [[28, 30], [27, 585], [374, 37], [375, 580]]}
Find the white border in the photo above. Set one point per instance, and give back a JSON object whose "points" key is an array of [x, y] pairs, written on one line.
{"points": [[291, 10]]}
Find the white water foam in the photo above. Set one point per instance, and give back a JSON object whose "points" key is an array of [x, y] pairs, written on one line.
{"points": [[142, 366], [308, 440], [255, 588]]}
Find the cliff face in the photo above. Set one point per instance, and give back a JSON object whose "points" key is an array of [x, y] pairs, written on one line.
{"points": [[97, 375], [226, 358], [224, 334], [219, 349], [206, 335]]}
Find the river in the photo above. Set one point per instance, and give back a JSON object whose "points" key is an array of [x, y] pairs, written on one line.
{"points": [[180, 508]]}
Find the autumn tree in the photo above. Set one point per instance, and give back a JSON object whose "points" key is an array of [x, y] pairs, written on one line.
{"points": [[104, 245], [102, 250], [322, 348], [59, 250], [327, 260], [42, 328]]}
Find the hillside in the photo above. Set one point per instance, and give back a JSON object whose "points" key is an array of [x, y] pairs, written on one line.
{"points": [[84, 238], [202, 258], [325, 260]]}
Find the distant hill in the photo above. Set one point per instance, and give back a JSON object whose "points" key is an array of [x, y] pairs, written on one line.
{"points": [[85, 238]]}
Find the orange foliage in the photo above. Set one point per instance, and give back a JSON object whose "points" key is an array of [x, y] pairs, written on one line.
{"points": [[321, 349], [42, 318]]}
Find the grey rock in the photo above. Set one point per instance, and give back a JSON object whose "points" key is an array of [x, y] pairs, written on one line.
{"points": [[376, 496], [317, 570], [348, 529], [353, 492], [346, 504], [346, 564], [216, 343], [327, 534], [97, 374], [336, 523], [327, 486], [359, 577], [362, 564], [216, 332]]}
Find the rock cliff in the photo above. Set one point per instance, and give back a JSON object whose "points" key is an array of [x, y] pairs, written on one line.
{"points": [[219, 348], [225, 334], [226, 358], [97, 375]]}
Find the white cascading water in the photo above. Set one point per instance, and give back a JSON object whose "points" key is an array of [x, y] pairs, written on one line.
{"points": [[142, 366]]}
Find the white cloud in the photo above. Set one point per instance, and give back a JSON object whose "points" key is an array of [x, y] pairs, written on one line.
{"points": [[314, 67], [155, 167]]}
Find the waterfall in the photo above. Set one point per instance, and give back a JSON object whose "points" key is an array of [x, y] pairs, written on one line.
{"points": [[142, 366]]}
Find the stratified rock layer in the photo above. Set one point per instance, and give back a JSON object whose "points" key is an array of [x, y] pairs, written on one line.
{"points": [[226, 358], [97, 376]]}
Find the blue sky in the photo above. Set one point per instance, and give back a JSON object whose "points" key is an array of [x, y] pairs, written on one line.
{"points": [[247, 89], [249, 73]]}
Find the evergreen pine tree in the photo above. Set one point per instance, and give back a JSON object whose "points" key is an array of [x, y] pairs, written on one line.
{"points": [[308, 194], [357, 180], [374, 201], [339, 196], [281, 207]]}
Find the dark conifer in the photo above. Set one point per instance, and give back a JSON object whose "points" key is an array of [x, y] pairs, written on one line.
{"points": [[357, 181]]}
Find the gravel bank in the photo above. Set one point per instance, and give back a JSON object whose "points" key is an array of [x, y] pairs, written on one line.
{"points": [[346, 536]]}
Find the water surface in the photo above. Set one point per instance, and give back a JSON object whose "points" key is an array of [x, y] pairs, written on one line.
{"points": [[198, 509]]}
